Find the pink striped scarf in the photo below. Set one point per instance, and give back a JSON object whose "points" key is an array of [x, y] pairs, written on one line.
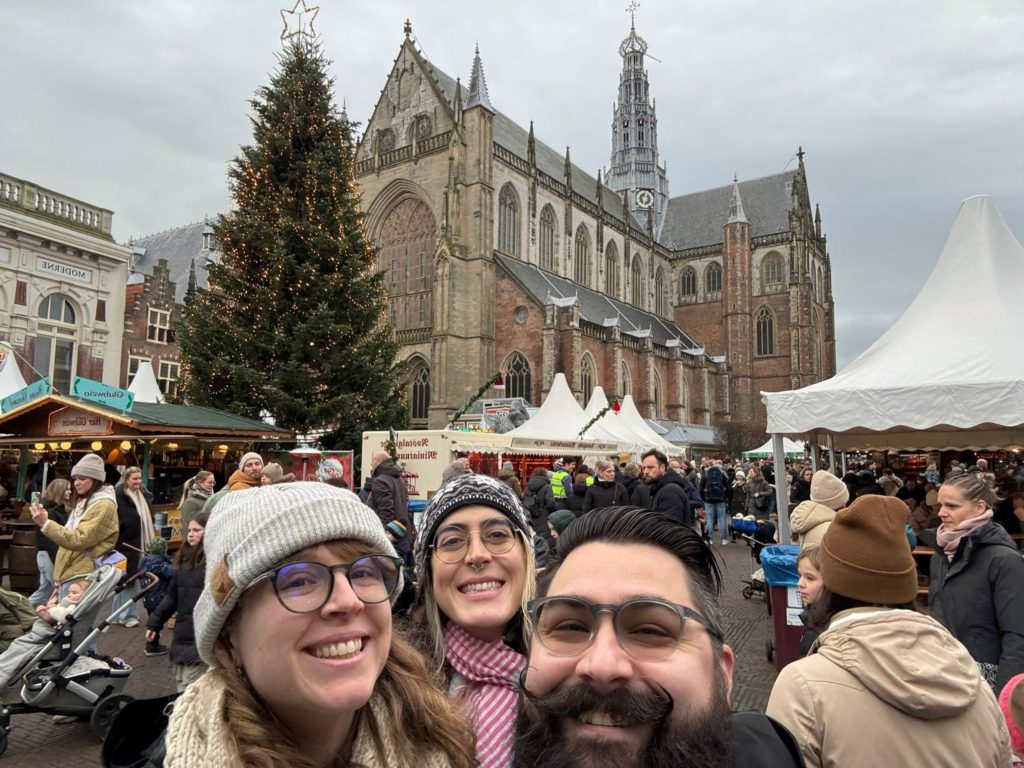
{"points": [[492, 673], [949, 538]]}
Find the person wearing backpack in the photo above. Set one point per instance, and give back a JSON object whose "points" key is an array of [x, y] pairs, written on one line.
{"points": [[539, 501], [714, 501]]}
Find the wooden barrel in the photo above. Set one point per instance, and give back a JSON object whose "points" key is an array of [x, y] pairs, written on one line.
{"points": [[21, 558]]}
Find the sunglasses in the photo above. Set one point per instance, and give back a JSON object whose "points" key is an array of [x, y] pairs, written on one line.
{"points": [[307, 586], [647, 629]]}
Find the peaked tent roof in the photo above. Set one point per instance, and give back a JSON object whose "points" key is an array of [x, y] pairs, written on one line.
{"points": [[925, 383], [11, 379], [789, 447], [609, 426], [636, 423], [144, 385], [560, 417]]}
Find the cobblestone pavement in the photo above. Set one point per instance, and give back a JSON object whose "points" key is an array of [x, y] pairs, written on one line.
{"points": [[36, 740]]}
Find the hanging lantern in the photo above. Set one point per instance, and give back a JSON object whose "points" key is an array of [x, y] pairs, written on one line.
{"points": [[40, 446], [96, 445], [172, 446], [499, 383], [65, 446], [615, 406], [54, 446], [126, 445]]}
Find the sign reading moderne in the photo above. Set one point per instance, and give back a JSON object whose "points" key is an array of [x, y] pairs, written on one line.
{"points": [[63, 270]]}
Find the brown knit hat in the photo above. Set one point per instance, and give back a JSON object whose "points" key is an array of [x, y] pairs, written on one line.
{"points": [[275, 473], [829, 490], [865, 555]]}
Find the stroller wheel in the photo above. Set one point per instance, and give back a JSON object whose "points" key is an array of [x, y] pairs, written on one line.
{"points": [[748, 592], [104, 712]]}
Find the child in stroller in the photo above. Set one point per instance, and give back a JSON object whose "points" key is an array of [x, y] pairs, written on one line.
{"points": [[56, 673]]}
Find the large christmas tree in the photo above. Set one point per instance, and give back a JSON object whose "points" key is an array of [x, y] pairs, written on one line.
{"points": [[292, 323]]}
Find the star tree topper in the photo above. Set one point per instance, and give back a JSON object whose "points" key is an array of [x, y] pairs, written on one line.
{"points": [[303, 26]]}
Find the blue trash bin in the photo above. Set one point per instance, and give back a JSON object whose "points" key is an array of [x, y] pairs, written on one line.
{"points": [[780, 574]]}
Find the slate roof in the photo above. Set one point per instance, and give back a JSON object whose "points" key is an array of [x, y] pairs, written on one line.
{"points": [[180, 246], [697, 219], [594, 307]]}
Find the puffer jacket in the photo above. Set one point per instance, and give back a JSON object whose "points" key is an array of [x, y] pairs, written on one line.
{"points": [[887, 687], [181, 598], [810, 520], [979, 596], [602, 494], [94, 536], [670, 497]]}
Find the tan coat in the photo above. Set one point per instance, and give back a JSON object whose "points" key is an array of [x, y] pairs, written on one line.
{"points": [[809, 520], [94, 536], [886, 687]]}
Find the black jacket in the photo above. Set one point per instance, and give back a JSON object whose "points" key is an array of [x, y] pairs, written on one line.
{"points": [[388, 497], [758, 741], [58, 514], [540, 487], [670, 497], [801, 491], [602, 494], [129, 527], [574, 500], [979, 597], [639, 492], [182, 595]]}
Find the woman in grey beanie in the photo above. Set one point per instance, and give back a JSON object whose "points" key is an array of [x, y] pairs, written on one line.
{"points": [[295, 624], [475, 570]]}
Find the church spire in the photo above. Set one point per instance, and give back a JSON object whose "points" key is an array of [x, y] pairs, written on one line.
{"points": [[531, 148], [736, 214], [477, 95]]}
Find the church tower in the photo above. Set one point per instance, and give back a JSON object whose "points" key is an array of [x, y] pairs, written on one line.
{"points": [[634, 169]]}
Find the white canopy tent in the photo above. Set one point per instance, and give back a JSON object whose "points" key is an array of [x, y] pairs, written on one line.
{"points": [[144, 385], [556, 425], [11, 379], [791, 447], [636, 423], [934, 380], [609, 426]]}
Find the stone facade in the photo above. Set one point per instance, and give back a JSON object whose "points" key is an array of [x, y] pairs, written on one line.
{"points": [[501, 254], [62, 285]]}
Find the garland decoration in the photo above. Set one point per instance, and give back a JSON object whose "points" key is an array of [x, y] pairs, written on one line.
{"points": [[613, 405], [392, 444], [496, 381]]}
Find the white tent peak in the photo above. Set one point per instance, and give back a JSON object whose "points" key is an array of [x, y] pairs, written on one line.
{"points": [[631, 416], [144, 385], [559, 416], [11, 379]]}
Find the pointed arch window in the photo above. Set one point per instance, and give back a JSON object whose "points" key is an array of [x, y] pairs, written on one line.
{"points": [[688, 283], [508, 221], [772, 269], [419, 401], [765, 332], [581, 269], [547, 239], [611, 270], [660, 298], [518, 378], [627, 380], [588, 376], [657, 396], [713, 278], [637, 283]]}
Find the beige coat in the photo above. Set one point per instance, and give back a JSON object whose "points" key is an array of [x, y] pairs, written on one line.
{"points": [[94, 536], [886, 687], [809, 520]]}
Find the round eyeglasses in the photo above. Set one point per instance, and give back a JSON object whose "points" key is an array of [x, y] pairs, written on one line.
{"points": [[452, 542], [306, 587], [647, 629]]}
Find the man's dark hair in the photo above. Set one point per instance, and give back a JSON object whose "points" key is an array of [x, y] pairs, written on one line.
{"points": [[569, 460], [633, 525], [661, 457]]}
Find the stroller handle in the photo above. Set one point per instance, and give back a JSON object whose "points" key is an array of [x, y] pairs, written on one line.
{"points": [[152, 581]]}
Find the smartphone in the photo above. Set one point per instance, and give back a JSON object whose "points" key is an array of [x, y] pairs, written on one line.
{"points": [[35, 497]]}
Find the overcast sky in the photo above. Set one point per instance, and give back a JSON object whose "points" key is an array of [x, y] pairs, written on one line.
{"points": [[904, 108]]}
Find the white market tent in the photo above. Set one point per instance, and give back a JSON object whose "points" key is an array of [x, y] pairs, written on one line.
{"points": [[144, 385], [945, 375], [609, 426], [792, 449], [556, 426], [638, 425], [11, 379]]}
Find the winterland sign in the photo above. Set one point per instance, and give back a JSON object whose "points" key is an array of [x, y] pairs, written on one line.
{"points": [[101, 393], [33, 391]]}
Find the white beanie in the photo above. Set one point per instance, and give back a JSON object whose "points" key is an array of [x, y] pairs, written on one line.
{"points": [[252, 530], [829, 490], [90, 465], [249, 457]]}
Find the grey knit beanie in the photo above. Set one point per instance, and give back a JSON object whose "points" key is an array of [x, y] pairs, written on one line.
{"points": [[463, 491], [249, 457], [251, 530], [90, 465]]}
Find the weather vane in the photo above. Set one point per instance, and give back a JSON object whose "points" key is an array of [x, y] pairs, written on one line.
{"points": [[631, 9], [302, 18]]}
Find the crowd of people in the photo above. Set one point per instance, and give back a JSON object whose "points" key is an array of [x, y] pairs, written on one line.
{"points": [[566, 619]]}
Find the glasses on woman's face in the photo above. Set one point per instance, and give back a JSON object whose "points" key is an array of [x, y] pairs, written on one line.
{"points": [[452, 542], [306, 587], [647, 629]]}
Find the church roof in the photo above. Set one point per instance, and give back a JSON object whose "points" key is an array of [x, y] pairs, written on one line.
{"points": [[513, 137], [595, 307], [696, 220], [181, 247]]}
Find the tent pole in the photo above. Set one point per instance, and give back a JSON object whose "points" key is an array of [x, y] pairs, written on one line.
{"points": [[842, 463], [814, 452], [781, 502], [831, 453]]}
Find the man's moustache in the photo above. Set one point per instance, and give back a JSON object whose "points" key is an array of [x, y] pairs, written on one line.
{"points": [[626, 706]]}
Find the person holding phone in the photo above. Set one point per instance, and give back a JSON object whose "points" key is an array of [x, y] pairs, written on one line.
{"points": [[54, 500]]}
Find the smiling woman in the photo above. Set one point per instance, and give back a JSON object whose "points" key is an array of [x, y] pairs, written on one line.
{"points": [[474, 564], [295, 624]]}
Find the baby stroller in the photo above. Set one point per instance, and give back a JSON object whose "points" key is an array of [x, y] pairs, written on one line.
{"points": [[755, 585], [58, 676]]}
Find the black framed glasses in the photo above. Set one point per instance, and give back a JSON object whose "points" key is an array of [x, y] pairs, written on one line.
{"points": [[307, 586], [647, 629], [451, 543]]}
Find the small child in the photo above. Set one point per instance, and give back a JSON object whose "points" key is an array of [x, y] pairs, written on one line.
{"points": [[808, 565], [157, 562], [55, 612]]}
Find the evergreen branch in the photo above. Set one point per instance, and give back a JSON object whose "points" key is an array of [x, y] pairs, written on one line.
{"points": [[597, 418], [469, 403]]}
